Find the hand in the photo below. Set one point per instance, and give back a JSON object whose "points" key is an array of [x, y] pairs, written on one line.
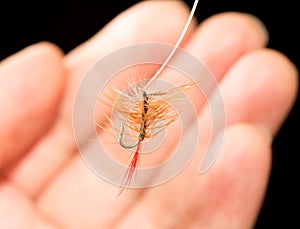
{"points": [[44, 182]]}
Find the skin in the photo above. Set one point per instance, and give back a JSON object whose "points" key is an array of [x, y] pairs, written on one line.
{"points": [[44, 183]]}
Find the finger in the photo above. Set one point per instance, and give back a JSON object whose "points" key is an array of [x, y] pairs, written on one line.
{"points": [[268, 78], [260, 88], [31, 83], [229, 195], [221, 39], [253, 89]]}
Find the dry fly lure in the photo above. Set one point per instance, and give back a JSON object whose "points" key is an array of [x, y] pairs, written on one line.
{"points": [[143, 114]]}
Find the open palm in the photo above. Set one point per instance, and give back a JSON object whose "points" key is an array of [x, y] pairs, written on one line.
{"points": [[45, 184]]}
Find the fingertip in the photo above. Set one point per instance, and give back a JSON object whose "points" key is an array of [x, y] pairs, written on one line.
{"points": [[48, 48], [242, 24], [31, 84], [287, 72], [221, 39], [34, 68], [260, 88], [41, 49]]}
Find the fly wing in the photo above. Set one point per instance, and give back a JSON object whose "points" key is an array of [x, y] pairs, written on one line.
{"points": [[120, 104], [175, 92], [165, 107]]}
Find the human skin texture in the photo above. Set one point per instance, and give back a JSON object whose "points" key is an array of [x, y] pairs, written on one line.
{"points": [[44, 182]]}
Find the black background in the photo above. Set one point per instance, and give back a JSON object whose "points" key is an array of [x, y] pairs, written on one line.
{"points": [[69, 23]]}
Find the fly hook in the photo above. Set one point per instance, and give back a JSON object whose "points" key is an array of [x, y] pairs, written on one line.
{"points": [[120, 139]]}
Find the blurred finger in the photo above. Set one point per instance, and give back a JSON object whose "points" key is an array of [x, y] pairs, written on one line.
{"points": [[31, 83]]}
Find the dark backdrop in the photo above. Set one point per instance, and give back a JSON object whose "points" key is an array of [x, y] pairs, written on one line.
{"points": [[69, 23]]}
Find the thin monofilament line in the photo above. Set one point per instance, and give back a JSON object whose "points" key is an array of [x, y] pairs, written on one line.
{"points": [[175, 47]]}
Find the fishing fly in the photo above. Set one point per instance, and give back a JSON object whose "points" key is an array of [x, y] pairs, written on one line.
{"points": [[141, 114]]}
